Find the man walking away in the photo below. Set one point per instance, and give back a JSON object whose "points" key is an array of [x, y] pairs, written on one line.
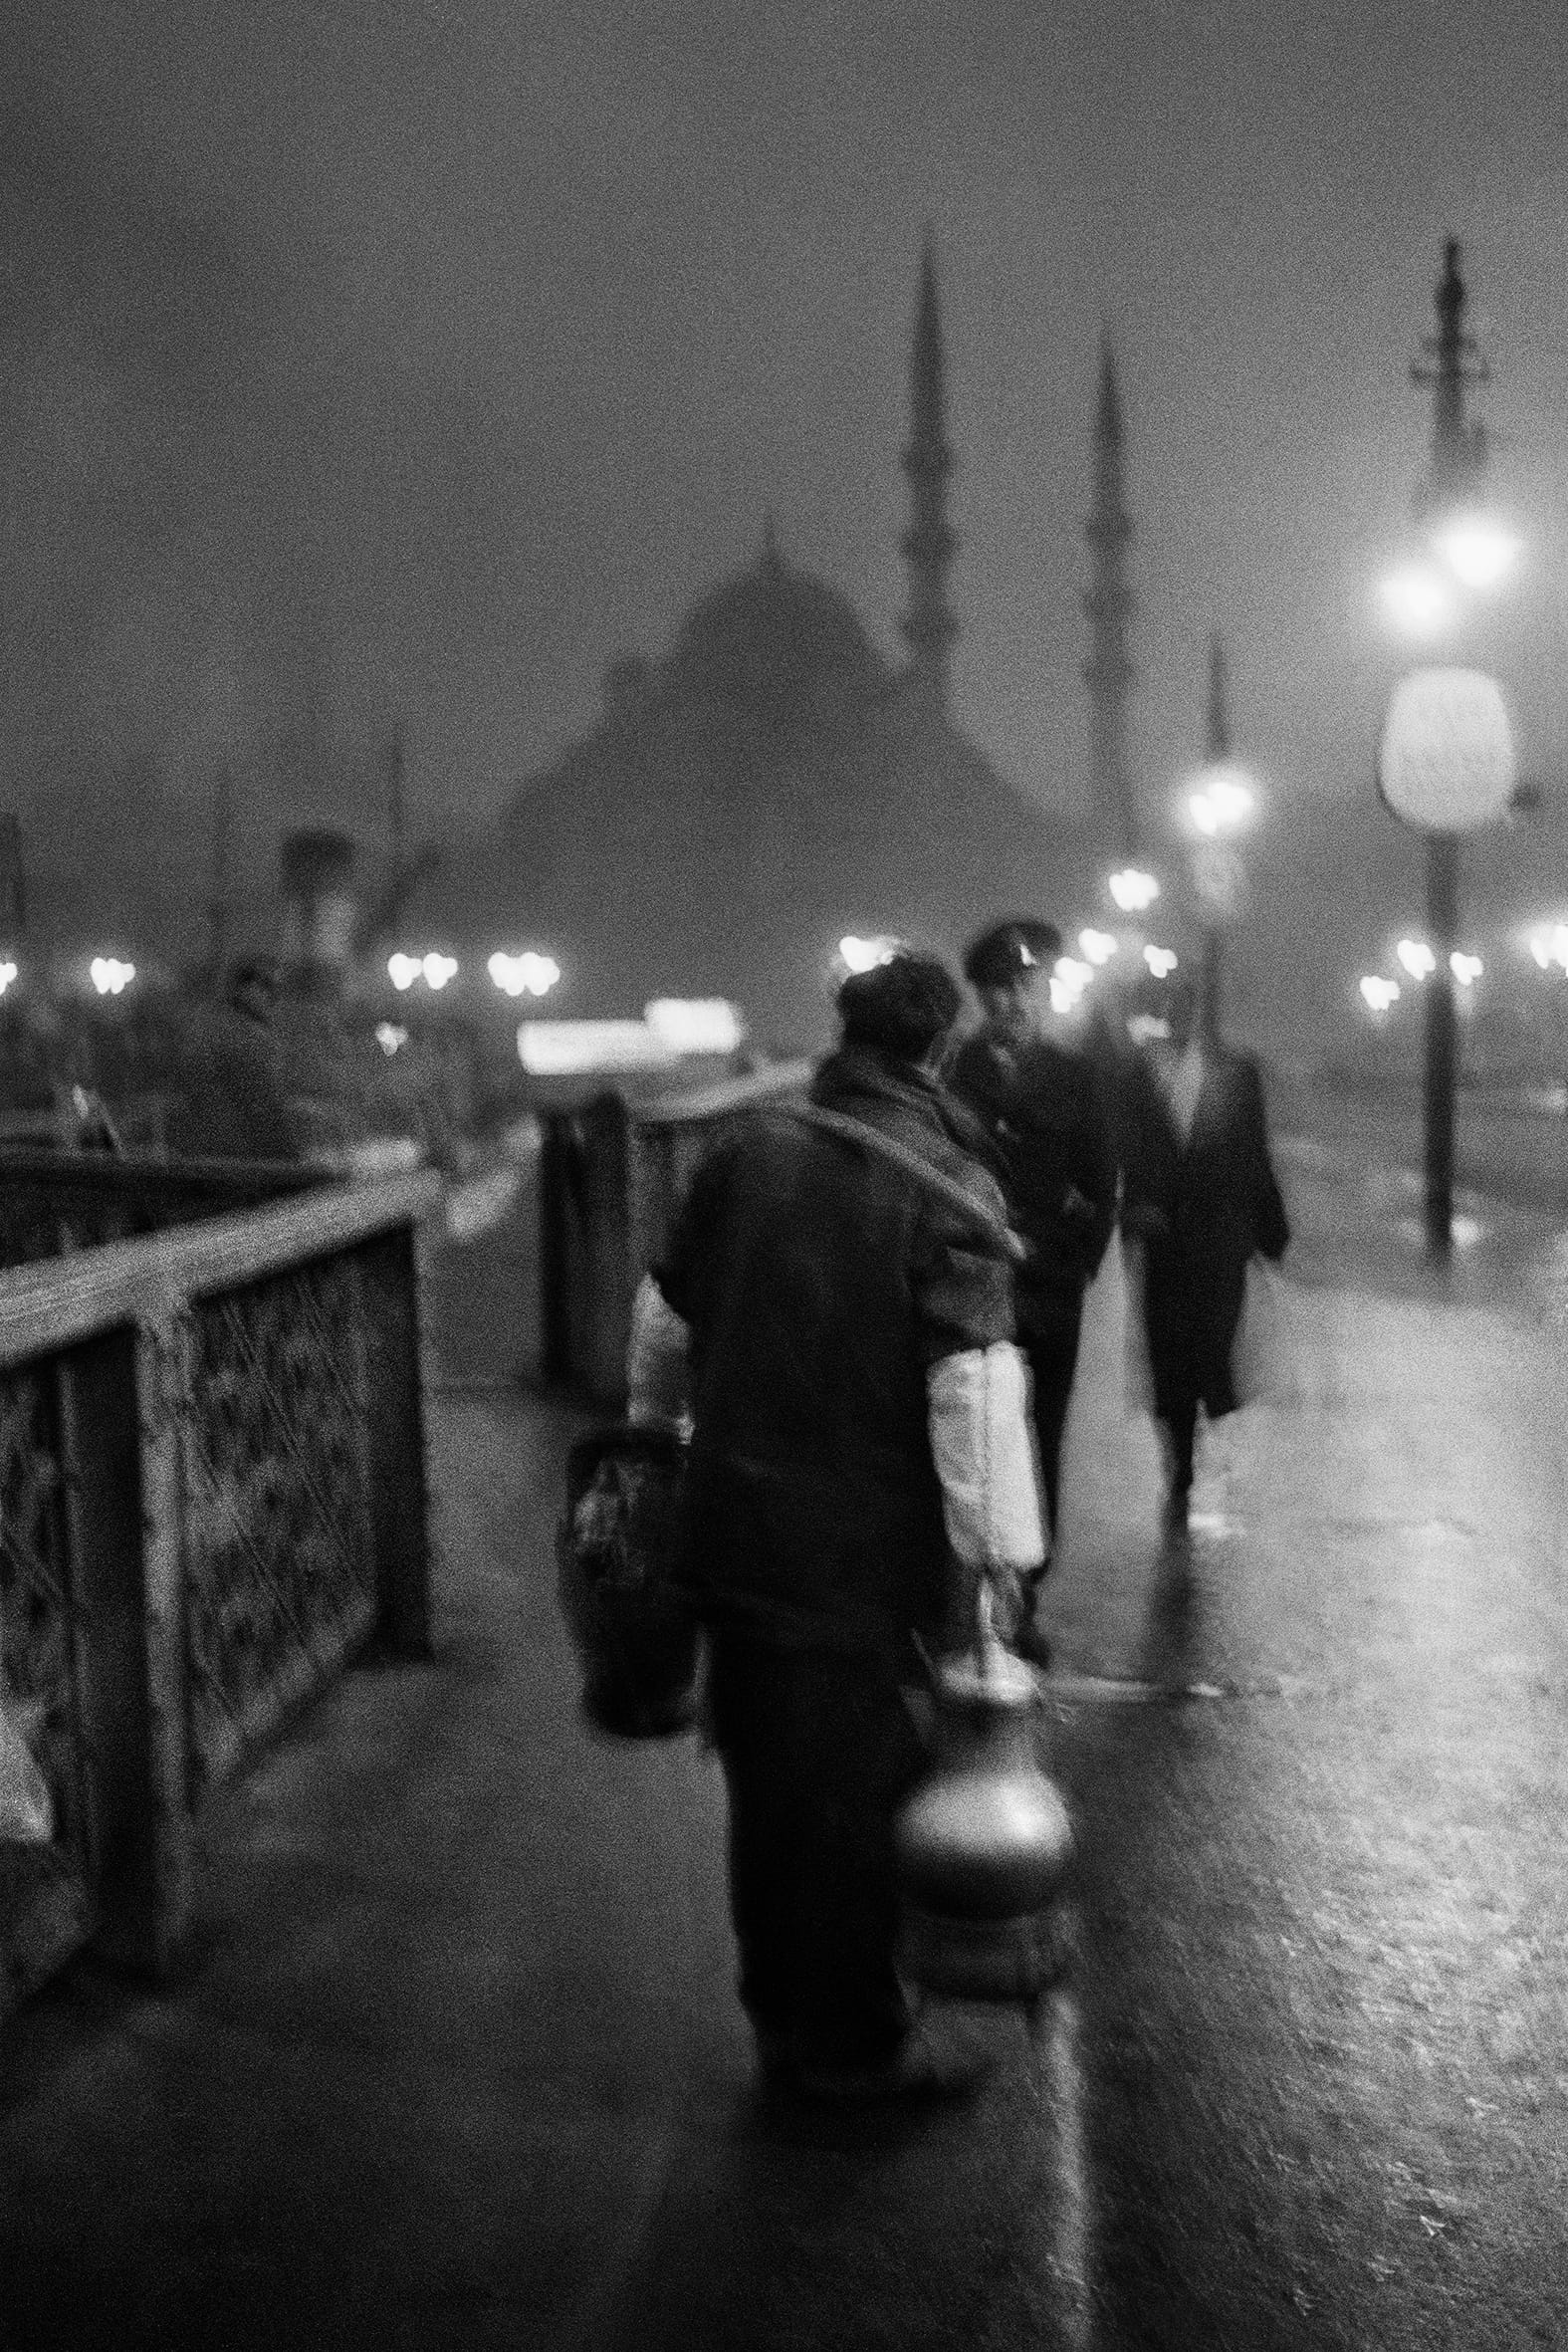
{"points": [[1199, 1197], [834, 1303]]}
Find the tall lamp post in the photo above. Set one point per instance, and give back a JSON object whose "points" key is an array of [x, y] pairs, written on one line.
{"points": [[1453, 763], [1218, 808]]}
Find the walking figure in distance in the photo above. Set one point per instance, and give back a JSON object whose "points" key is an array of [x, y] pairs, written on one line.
{"points": [[1200, 1196]]}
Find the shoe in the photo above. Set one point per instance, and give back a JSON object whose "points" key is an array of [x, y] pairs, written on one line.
{"points": [[917, 2073]]}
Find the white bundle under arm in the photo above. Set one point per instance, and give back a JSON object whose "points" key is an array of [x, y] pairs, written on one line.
{"points": [[657, 1359], [983, 1448]]}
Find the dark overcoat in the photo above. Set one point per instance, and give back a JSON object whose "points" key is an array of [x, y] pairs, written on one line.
{"points": [[1204, 1207], [1050, 1143], [820, 1283]]}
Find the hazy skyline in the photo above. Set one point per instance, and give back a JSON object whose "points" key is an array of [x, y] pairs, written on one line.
{"points": [[410, 363]]}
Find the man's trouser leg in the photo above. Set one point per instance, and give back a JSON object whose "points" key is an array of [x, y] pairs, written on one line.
{"points": [[818, 1753], [1052, 1362]]}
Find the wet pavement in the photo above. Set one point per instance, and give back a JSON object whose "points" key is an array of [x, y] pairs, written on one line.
{"points": [[456, 2060]]}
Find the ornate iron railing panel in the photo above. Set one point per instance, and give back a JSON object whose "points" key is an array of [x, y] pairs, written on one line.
{"points": [[46, 1907], [279, 1576], [211, 1493]]}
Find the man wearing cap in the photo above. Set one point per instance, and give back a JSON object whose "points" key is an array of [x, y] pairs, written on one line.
{"points": [[235, 1107], [834, 1307], [1037, 1100]]}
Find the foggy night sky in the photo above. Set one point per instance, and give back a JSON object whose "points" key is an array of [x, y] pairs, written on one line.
{"points": [[412, 360]]}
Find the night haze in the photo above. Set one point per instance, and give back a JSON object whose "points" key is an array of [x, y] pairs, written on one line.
{"points": [[379, 369]]}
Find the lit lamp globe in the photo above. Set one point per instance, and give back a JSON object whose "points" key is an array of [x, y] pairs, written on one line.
{"points": [[1445, 758]]}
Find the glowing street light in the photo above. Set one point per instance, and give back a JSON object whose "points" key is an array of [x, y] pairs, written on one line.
{"points": [[1380, 993], [1418, 600], [1132, 890], [1098, 946], [1480, 551], [8, 973], [1467, 970], [110, 976], [529, 973], [1417, 958], [434, 970], [863, 955], [1225, 802], [1161, 961], [1069, 977]]}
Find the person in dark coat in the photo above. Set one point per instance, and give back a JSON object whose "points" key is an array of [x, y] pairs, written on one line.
{"points": [[840, 1328], [1200, 1196], [1038, 1102], [235, 1107]]}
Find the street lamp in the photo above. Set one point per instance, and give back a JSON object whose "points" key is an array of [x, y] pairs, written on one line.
{"points": [[1221, 807], [1445, 759]]}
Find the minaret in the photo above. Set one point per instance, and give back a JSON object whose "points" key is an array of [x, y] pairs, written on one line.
{"points": [[928, 545], [222, 845], [1110, 604], [1217, 715]]}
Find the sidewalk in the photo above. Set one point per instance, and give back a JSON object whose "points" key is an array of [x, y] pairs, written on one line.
{"points": [[456, 2061]]}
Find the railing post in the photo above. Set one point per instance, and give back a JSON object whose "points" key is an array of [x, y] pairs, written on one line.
{"points": [[395, 1441], [162, 1404]]}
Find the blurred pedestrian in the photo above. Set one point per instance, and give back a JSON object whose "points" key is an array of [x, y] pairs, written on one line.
{"points": [[1199, 1197], [1038, 1100], [235, 1105], [835, 1305]]}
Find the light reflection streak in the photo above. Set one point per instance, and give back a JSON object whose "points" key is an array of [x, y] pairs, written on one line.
{"points": [[1071, 2253]]}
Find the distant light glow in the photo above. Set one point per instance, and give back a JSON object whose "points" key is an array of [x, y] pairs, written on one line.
{"points": [[434, 970], [1098, 946], [1225, 802], [1417, 958], [1467, 970], [695, 1025], [1133, 890], [526, 974], [109, 975], [1161, 961], [1417, 601], [8, 973], [1380, 993], [561, 1049], [390, 1037], [1550, 947], [1478, 551], [863, 955], [1068, 980]]}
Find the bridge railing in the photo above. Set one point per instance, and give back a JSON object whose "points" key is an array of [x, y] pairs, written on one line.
{"points": [[612, 1171], [55, 1201], [212, 1494]]}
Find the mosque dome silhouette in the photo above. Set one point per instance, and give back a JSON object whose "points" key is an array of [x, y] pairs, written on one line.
{"points": [[773, 633]]}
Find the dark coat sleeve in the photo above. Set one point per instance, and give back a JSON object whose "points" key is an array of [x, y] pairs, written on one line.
{"points": [[1270, 1225]]}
